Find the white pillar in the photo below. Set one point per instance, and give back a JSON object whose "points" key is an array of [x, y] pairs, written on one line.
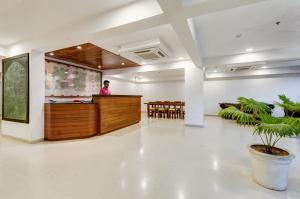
{"points": [[193, 95], [34, 131]]}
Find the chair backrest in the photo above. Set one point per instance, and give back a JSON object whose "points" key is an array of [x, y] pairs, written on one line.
{"points": [[167, 104]]}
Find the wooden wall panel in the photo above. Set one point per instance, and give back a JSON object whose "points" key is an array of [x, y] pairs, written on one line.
{"points": [[116, 112], [69, 121]]}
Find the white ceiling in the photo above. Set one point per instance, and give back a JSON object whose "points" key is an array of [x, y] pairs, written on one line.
{"points": [[25, 19], [210, 34], [256, 23], [164, 32]]}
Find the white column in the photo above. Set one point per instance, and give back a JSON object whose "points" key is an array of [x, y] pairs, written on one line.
{"points": [[193, 95], [34, 131]]}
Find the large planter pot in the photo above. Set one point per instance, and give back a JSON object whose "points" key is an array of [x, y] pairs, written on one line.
{"points": [[270, 171]]}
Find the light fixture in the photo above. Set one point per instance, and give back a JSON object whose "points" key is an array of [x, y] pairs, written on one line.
{"points": [[100, 66], [122, 63], [143, 63], [215, 71], [264, 67], [180, 58], [51, 54], [79, 47], [249, 50]]}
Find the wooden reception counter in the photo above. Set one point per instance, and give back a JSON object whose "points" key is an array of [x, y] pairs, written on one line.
{"points": [[70, 120], [81, 120], [117, 111]]}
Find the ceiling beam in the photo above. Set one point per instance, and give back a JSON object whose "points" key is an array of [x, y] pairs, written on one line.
{"points": [[173, 12]]}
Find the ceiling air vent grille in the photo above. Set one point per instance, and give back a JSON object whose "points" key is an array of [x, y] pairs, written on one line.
{"points": [[153, 49], [240, 68], [150, 54]]}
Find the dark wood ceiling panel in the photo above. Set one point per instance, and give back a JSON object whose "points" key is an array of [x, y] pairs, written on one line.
{"points": [[93, 56]]}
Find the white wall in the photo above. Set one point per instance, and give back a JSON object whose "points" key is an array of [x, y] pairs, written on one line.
{"points": [[266, 89], [35, 129], [119, 87], [3, 51], [172, 91], [163, 91]]}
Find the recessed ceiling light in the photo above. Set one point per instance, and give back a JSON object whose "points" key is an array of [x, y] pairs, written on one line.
{"points": [[122, 63], [264, 67], [143, 63], [51, 54], [215, 71], [180, 58], [249, 49], [79, 47], [99, 66]]}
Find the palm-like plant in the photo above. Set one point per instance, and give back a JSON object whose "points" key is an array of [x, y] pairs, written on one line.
{"points": [[271, 130], [289, 107], [240, 116], [249, 113], [249, 105], [295, 122]]}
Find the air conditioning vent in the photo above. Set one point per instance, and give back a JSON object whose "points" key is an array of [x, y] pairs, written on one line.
{"points": [[148, 50], [150, 54], [239, 68]]}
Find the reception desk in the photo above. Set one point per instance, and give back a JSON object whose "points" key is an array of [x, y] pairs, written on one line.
{"points": [[81, 120], [117, 111], [70, 120]]}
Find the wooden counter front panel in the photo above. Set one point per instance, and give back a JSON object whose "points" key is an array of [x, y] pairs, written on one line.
{"points": [[118, 112], [68, 121]]}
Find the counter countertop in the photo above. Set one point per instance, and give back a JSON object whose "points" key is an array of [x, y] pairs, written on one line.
{"points": [[117, 95]]}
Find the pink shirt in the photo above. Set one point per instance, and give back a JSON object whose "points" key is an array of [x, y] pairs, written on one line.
{"points": [[105, 91]]}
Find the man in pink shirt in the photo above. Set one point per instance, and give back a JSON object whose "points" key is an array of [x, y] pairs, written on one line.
{"points": [[105, 90]]}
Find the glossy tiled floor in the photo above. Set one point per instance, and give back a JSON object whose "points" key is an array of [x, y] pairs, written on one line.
{"points": [[158, 159]]}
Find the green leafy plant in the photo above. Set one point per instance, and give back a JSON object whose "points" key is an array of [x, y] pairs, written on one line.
{"points": [[271, 130], [268, 128], [289, 107], [240, 116], [249, 105], [249, 113], [286, 100]]}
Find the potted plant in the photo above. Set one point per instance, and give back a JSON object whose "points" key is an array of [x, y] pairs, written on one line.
{"points": [[271, 164]]}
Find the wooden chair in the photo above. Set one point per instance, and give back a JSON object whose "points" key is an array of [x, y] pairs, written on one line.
{"points": [[153, 109], [162, 109], [179, 106], [172, 110]]}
